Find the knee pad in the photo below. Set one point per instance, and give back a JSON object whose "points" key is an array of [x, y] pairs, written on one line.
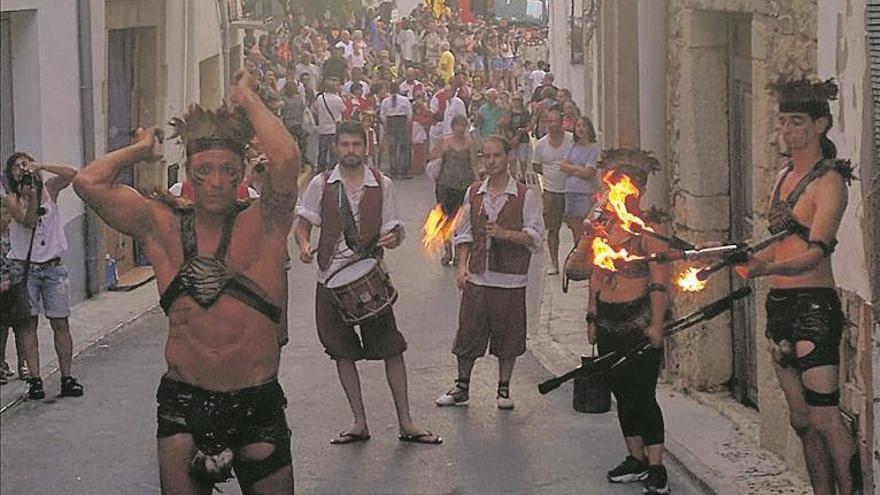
{"points": [[820, 399], [823, 354], [249, 472]]}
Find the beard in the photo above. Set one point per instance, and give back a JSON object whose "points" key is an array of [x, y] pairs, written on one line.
{"points": [[351, 161]]}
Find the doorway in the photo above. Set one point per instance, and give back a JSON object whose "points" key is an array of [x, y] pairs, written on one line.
{"points": [[744, 382]]}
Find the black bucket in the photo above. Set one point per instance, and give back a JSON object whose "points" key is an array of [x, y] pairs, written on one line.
{"points": [[591, 392]]}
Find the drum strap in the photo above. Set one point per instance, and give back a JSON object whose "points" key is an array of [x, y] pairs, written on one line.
{"points": [[349, 226]]}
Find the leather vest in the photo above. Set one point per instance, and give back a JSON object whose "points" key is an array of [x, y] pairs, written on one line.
{"points": [[503, 256], [370, 213]]}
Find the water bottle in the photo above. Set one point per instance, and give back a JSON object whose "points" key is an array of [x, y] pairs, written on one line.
{"points": [[110, 275]]}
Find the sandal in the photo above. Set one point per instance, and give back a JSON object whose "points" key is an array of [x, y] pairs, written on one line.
{"points": [[70, 387], [346, 438], [35, 389], [426, 438]]}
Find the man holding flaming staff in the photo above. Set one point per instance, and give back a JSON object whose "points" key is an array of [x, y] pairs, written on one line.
{"points": [[628, 301], [804, 316]]}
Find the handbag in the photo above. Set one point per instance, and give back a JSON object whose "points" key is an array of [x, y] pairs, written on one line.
{"points": [[432, 169], [15, 302]]}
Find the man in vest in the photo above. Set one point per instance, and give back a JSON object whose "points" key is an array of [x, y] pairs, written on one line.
{"points": [[501, 226], [363, 219]]}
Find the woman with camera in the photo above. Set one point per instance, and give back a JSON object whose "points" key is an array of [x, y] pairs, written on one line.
{"points": [[37, 242]]}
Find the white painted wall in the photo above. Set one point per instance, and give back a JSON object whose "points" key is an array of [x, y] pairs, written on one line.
{"points": [[843, 55], [567, 75]]}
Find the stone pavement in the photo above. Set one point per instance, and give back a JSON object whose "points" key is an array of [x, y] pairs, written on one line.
{"points": [[90, 321], [717, 449]]}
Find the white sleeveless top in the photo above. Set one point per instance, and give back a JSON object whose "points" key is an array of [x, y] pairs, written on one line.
{"points": [[49, 241]]}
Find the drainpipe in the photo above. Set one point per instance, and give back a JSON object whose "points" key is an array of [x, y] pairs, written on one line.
{"points": [[87, 123], [223, 7]]}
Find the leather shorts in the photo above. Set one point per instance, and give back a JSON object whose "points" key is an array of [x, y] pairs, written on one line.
{"points": [[811, 314]]}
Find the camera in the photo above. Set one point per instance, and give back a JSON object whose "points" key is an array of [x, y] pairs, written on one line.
{"points": [[28, 179]]}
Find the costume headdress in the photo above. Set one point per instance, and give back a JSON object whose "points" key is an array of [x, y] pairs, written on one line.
{"points": [[635, 163], [805, 96], [201, 129]]}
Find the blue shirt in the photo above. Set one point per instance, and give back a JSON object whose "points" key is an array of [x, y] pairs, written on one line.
{"points": [[582, 156]]}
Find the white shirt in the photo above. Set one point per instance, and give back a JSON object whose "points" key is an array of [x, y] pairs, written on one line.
{"points": [[308, 206], [49, 239], [455, 106], [408, 44], [533, 225], [387, 109], [537, 77], [356, 60], [327, 120], [346, 88], [347, 48], [550, 159]]}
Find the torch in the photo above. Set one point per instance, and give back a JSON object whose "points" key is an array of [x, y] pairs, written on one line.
{"points": [[740, 255], [615, 359]]}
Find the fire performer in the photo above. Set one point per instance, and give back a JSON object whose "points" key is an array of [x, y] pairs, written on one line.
{"points": [[624, 306], [354, 206], [458, 170], [501, 226], [220, 270], [804, 316]]}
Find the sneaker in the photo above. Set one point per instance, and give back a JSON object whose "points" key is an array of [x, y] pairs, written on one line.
{"points": [[628, 471], [70, 387], [455, 397], [504, 401], [35, 389], [5, 371], [657, 482]]}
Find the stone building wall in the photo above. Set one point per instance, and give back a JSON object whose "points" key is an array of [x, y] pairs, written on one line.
{"points": [[783, 37]]}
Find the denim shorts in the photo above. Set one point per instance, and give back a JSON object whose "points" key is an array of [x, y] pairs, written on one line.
{"points": [[48, 287]]}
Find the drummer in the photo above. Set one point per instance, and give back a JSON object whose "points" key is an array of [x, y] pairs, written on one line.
{"points": [[358, 224]]}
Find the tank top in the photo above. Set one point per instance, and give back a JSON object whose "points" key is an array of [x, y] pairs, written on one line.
{"points": [[49, 239], [456, 171]]}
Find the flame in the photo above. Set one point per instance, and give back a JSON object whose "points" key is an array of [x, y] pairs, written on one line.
{"points": [[438, 230], [617, 194], [604, 255], [689, 282]]}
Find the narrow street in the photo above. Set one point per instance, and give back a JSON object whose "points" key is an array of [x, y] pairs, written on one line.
{"points": [[104, 443]]}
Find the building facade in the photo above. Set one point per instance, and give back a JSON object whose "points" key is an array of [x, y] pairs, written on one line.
{"points": [[78, 77], [687, 80]]}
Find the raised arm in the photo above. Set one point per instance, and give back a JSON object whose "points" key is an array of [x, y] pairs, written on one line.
{"points": [[123, 208], [23, 208], [63, 177], [279, 193]]}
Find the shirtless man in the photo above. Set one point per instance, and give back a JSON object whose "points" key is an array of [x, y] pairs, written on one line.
{"points": [[220, 271], [804, 316]]}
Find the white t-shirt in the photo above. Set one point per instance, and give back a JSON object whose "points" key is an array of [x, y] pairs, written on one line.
{"points": [[327, 120], [550, 159], [347, 48], [537, 77]]}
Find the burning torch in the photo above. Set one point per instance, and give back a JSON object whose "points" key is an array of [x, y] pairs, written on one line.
{"points": [[615, 359]]}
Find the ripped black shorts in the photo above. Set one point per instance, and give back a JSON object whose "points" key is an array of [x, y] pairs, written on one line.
{"points": [[810, 314], [228, 420]]}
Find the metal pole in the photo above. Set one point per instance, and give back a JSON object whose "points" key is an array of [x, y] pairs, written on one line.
{"points": [[87, 122]]}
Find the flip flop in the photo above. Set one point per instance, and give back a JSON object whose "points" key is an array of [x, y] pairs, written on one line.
{"points": [[347, 438], [427, 438]]}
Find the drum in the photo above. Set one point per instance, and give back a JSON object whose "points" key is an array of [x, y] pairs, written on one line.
{"points": [[361, 291]]}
